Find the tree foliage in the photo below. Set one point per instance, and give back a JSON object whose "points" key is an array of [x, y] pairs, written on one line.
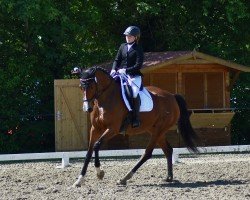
{"points": [[41, 40]]}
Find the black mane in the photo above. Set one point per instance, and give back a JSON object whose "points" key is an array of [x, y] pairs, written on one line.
{"points": [[102, 69], [90, 72]]}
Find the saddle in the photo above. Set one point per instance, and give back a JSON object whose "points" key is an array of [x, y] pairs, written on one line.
{"points": [[146, 102]]}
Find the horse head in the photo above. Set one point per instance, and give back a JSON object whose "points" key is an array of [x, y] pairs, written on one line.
{"points": [[94, 82]]}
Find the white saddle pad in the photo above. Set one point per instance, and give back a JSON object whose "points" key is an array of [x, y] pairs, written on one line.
{"points": [[146, 99]]}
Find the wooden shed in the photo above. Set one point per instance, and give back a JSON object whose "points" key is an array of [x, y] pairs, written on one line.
{"points": [[205, 82]]}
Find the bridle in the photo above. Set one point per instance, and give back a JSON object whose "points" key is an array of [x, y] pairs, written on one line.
{"points": [[85, 83]]}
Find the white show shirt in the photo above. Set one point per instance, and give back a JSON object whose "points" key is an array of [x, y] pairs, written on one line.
{"points": [[130, 45]]}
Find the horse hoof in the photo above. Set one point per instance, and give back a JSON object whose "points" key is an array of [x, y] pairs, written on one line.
{"points": [[78, 182], [169, 179], [101, 175], [122, 182], [76, 185]]}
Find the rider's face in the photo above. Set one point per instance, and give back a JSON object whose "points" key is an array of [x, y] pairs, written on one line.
{"points": [[130, 38]]}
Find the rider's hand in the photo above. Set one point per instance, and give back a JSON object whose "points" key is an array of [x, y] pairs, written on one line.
{"points": [[122, 71], [112, 72]]}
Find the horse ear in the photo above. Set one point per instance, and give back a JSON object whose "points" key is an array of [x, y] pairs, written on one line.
{"points": [[76, 70]]}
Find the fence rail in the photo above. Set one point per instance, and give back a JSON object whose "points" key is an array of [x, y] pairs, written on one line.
{"points": [[65, 156]]}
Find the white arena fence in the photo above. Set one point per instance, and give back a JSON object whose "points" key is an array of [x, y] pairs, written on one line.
{"points": [[65, 156]]}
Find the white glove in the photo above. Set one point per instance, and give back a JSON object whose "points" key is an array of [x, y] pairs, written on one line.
{"points": [[112, 72], [122, 71]]}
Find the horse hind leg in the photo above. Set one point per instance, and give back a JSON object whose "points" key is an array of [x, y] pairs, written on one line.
{"points": [[168, 152], [147, 155]]}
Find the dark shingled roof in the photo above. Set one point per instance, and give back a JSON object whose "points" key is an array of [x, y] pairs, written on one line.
{"points": [[153, 58]]}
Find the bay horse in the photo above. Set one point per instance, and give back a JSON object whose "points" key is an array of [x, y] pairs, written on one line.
{"points": [[108, 112]]}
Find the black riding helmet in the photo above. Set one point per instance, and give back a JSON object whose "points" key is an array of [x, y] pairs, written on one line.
{"points": [[132, 30]]}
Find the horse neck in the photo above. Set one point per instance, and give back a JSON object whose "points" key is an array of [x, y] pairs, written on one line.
{"points": [[109, 87]]}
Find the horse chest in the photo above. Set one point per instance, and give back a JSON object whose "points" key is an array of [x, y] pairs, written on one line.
{"points": [[101, 113]]}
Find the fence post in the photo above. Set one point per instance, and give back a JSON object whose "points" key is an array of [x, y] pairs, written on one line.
{"points": [[65, 160]]}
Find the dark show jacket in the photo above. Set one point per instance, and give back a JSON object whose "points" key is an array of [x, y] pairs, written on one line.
{"points": [[131, 60]]}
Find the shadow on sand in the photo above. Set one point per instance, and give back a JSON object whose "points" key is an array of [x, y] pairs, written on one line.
{"points": [[178, 184]]}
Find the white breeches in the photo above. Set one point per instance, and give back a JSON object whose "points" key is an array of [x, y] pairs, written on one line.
{"points": [[135, 83]]}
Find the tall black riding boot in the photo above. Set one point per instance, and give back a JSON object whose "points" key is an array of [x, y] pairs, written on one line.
{"points": [[136, 108]]}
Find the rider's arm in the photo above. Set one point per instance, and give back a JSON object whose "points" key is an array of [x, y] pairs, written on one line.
{"points": [[118, 58]]}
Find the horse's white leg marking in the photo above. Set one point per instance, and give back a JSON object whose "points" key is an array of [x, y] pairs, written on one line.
{"points": [[127, 177], [100, 173], [98, 170], [78, 182]]}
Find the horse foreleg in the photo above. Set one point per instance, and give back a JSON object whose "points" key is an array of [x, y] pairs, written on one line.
{"points": [[93, 138], [99, 171], [84, 169], [168, 151], [108, 133]]}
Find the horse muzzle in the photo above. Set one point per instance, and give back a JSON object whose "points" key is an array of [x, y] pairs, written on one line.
{"points": [[86, 107]]}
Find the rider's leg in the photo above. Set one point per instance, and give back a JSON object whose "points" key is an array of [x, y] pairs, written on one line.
{"points": [[136, 84], [136, 108]]}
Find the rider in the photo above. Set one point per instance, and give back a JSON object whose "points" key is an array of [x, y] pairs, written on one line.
{"points": [[129, 60]]}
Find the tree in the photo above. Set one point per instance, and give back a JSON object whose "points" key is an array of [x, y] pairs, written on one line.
{"points": [[41, 40]]}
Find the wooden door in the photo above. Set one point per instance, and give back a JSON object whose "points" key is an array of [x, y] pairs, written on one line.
{"points": [[193, 89], [71, 123], [214, 89]]}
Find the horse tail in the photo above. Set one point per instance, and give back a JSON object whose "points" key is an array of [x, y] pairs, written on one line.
{"points": [[184, 126]]}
